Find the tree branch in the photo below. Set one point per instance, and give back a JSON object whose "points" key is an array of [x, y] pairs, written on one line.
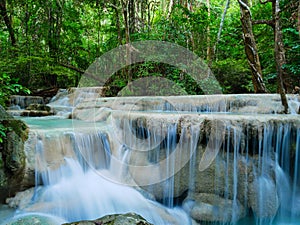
{"points": [[72, 67], [85, 72], [245, 6], [261, 2], [267, 22]]}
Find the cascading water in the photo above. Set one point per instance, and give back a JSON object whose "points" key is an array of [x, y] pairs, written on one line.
{"points": [[202, 167], [79, 183], [21, 102]]}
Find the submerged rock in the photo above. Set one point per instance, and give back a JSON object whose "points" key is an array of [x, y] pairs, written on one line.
{"points": [[21, 200], [213, 208], [30, 219], [263, 198], [40, 107], [35, 113], [116, 219]]}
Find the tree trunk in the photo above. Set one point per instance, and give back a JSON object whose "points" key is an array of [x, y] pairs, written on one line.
{"points": [[127, 38], [250, 48], [208, 49], [8, 22], [55, 23], [299, 18], [55, 17], [131, 16], [118, 25], [170, 8], [279, 55], [98, 7], [221, 26]]}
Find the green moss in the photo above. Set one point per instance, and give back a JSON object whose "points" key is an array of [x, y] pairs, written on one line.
{"points": [[116, 219], [12, 155], [19, 127]]}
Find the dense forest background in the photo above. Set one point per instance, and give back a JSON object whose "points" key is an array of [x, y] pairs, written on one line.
{"points": [[250, 45]]}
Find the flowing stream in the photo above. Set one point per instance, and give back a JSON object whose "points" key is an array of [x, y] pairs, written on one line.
{"points": [[169, 167]]}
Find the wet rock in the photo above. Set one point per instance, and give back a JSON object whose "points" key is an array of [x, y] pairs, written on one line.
{"points": [[242, 103], [34, 110], [116, 219], [29, 219], [263, 198], [40, 107], [12, 155], [35, 113], [21, 199], [213, 208]]}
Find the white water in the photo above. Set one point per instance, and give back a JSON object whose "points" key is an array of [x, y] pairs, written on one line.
{"points": [[86, 181], [81, 195], [82, 185], [92, 175]]}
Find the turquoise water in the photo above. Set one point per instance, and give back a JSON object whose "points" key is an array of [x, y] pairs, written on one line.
{"points": [[283, 221], [50, 123], [6, 212], [7, 215]]}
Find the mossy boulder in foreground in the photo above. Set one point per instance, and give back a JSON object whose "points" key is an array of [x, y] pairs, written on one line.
{"points": [[116, 219]]}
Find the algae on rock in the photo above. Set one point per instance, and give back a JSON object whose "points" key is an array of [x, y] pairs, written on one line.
{"points": [[12, 155]]}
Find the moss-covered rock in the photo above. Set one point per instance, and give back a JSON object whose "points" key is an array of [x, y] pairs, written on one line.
{"points": [[41, 107], [12, 155], [38, 219], [116, 219]]}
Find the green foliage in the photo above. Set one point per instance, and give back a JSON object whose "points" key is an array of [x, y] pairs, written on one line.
{"points": [[156, 78], [292, 44], [8, 87], [56, 40], [2, 132], [271, 82], [233, 76]]}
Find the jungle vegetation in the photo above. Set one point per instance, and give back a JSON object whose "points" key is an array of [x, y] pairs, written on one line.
{"points": [[251, 46]]}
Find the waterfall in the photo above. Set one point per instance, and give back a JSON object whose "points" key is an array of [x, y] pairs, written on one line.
{"points": [[171, 160], [79, 183], [250, 166], [21, 102]]}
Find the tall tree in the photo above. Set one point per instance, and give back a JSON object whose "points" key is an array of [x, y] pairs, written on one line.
{"points": [[298, 18], [115, 6], [126, 15], [250, 47], [208, 50], [280, 55], [279, 51], [8, 22], [221, 26]]}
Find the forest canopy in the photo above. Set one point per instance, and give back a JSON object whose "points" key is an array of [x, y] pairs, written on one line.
{"points": [[51, 43]]}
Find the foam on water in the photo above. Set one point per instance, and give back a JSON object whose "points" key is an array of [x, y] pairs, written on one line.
{"points": [[81, 195]]}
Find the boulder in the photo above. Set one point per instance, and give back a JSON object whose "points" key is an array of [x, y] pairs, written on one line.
{"points": [[263, 197], [21, 199], [36, 113], [213, 208], [116, 219], [12, 155], [40, 107], [26, 219]]}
